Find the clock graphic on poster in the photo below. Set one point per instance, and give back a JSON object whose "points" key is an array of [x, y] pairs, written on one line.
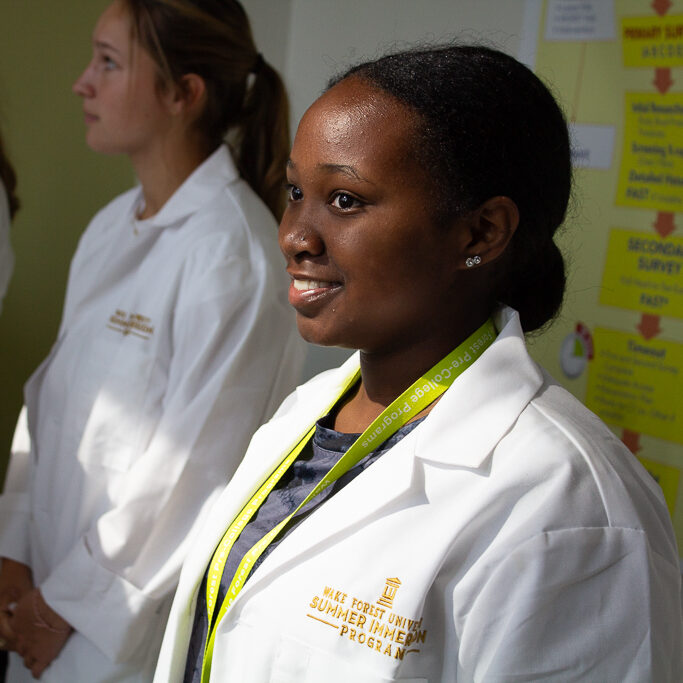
{"points": [[576, 351]]}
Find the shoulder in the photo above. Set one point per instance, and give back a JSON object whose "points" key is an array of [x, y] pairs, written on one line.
{"points": [[234, 215], [535, 458], [590, 479], [216, 200], [227, 247], [228, 229], [232, 231], [107, 220], [571, 425]]}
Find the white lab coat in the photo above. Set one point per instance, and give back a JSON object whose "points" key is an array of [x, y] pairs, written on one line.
{"points": [[6, 253], [176, 342], [509, 537]]}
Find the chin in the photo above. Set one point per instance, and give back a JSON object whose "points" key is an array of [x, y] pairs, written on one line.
{"points": [[314, 333], [97, 144]]}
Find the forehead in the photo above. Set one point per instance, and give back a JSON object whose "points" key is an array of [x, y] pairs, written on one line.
{"points": [[114, 26], [359, 122]]}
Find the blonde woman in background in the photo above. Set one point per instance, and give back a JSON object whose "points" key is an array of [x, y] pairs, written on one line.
{"points": [[176, 342]]}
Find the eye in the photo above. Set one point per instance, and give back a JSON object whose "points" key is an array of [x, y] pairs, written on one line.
{"points": [[108, 63], [294, 194], [345, 201]]}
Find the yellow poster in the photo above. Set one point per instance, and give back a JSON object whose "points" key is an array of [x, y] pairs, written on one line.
{"points": [[651, 174], [654, 41], [618, 344], [644, 272], [635, 383]]}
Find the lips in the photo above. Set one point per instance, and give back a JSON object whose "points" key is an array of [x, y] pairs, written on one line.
{"points": [[303, 285], [308, 295]]}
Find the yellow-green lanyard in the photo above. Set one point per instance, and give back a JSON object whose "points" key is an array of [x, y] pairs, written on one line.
{"points": [[412, 401]]}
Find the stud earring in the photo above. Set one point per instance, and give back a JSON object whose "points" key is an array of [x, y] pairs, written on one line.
{"points": [[473, 261]]}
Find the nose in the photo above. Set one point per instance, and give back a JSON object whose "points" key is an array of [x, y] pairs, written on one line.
{"points": [[298, 237], [83, 86]]}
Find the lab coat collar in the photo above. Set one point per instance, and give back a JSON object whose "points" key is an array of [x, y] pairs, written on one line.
{"points": [[313, 400], [483, 403], [476, 412], [206, 181]]}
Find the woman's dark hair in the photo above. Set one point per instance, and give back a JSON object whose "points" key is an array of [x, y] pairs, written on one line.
{"points": [[9, 180], [246, 100], [489, 127]]}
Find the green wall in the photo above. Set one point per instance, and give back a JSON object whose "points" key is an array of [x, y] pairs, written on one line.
{"points": [[44, 45]]}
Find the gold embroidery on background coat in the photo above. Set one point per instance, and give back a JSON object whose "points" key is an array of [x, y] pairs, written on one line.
{"points": [[131, 323]]}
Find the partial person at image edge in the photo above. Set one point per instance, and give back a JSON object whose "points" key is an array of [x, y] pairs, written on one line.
{"points": [[9, 205]]}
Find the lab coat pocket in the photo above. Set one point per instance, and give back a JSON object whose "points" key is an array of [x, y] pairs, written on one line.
{"points": [[117, 418], [296, 662]]}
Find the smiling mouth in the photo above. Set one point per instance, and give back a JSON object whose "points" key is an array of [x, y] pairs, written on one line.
{"points": [[307, 296], [304, 285]]}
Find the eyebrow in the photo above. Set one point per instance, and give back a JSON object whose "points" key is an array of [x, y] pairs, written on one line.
{"points": [[345, 169], [106, 46]]}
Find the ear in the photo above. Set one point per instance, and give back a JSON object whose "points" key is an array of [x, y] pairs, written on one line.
{"points": [[187, 96], [489, 230]]}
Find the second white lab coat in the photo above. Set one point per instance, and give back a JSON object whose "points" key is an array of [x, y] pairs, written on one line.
{"points": [[509, 537], [176, 342]]}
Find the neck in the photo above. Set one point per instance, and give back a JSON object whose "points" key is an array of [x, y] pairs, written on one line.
{"points": [[386, 375], [163, 170]]}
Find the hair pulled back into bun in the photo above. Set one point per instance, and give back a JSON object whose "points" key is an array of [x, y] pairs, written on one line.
{"points": [[490, 127]]}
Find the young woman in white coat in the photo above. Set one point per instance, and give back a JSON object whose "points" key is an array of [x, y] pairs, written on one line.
{"points": [[176, 343], [485, 526], [9, 204]]}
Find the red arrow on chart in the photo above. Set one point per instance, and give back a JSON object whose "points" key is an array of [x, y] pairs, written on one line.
{"points": [[648, 326], [631, 440], [663, 80], [661, 6], [664, 225]]}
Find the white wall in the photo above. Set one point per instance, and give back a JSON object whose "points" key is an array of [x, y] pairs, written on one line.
{"points": [[328, 35], [270, 21], [309, 41]]}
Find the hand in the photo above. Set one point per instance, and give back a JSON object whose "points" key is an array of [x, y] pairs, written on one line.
{"points": [[15, 581], [40, 632]]}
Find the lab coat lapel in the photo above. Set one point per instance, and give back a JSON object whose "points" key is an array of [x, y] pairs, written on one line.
{"points": [[373, 494], [484, 402]]}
